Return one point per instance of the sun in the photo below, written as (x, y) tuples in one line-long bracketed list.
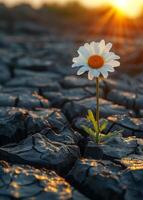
[(130, 8), (121, 4)]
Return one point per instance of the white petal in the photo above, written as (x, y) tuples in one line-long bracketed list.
[(108, 47), (90, 75), (116, 56), (83, 52), (75, 65), (93, 44), (104, 72), (95, 47), (88, 48), (102, 46), (114, 63), (111, 56), (109, 68), (78, 61), (82, 70), (96, 73)]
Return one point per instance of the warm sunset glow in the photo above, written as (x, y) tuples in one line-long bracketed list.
[(131, 8)]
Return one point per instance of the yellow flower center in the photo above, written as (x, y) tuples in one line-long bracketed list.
[(95, 61)]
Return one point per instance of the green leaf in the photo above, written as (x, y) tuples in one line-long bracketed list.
[(90, 132), (104, 125), (90, 115), (91, 118), (110, 134)]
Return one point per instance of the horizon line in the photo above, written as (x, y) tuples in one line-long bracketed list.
[(40, 4)]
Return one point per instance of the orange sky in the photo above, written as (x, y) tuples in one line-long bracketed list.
[(128, 7), (37, 3)]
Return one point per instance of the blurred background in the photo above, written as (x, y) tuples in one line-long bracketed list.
[(58, 27)]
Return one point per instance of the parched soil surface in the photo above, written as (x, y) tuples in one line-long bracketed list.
[(44, 152)]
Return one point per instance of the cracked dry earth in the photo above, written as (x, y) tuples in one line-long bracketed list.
[(44, 152)]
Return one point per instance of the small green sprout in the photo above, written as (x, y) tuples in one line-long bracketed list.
[(96, 131)]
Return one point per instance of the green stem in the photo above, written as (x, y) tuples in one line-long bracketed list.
[(97, 110)]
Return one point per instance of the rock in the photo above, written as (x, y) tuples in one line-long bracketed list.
[(22, 181), (44, 113), (7, 99), (16, 124), (126, 99), (139, 102), (78, 196), (63, 96), (80, 108), (74, 82), (115, 147), (32, 101), (110, 84), (30, 28), (4, 74), (125, 131), (132, 162), (32, 64), (33, 74), (129, 125), (38, 150), (16, 91), (34, 82), (29, 101), (131, 178), (60, 130), (92, 91), (139, 149), (97, 179), (102, 179)]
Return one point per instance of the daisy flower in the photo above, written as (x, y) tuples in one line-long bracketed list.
[(96, 59)]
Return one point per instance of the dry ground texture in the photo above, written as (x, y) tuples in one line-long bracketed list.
[(44, 152)]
